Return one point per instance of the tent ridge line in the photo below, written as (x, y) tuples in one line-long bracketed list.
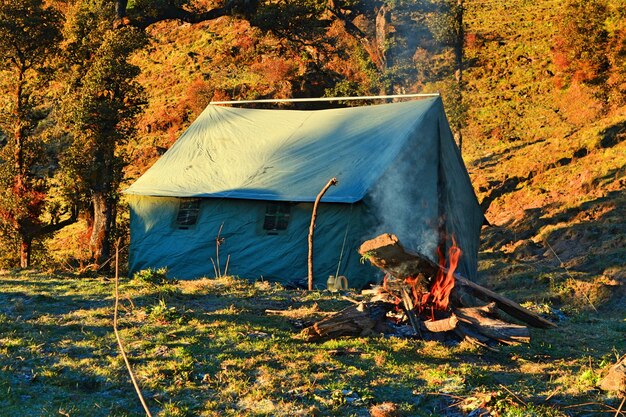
[(306, 100)]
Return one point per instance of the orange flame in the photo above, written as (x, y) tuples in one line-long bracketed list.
[(412, 283), (442, 287)]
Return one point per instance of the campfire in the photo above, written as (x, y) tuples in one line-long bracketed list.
[(421, 299)]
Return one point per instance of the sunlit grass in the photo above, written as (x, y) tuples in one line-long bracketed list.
[(207, 347)]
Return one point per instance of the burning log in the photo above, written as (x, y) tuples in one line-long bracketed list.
[(386, 253)]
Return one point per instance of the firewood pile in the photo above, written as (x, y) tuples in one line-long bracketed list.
[(421, 299)]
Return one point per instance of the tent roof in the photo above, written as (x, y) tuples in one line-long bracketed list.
[(285, 155)]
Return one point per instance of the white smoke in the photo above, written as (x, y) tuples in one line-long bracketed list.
[(405, 202)]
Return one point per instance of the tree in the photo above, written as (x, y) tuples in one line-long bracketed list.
[(383, 31), (29, 38), (101, 102), (447, 27), (146, 12), (591, 47)]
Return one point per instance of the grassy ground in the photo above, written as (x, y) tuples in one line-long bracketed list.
[(551, 182), (208, 348)]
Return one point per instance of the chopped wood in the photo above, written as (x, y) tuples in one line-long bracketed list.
[(356, 320), (386, 297), (410, 313), (443, 325), (386, 253), (505, 304), (466, 332), (409, 277), (352, 300), (483, 321), (371, 291)]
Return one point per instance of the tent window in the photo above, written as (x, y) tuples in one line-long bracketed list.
[(188, 211), (276, 217)]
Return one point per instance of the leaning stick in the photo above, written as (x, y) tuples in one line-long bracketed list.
[(218, 242), (117, 335), (333, 181)]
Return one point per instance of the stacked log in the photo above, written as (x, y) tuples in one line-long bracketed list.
[(480, 325), (362, 319)]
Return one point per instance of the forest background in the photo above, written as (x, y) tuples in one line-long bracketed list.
[(93, 91)]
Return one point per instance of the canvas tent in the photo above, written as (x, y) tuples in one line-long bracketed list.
[(255, 173)]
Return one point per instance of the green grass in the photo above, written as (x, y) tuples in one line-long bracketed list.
[(208, 348), (547, 165)]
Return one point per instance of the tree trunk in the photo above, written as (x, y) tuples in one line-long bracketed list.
[(25, 250), (19, 132), (19, 180), (383, 21), (458, 54), (100, 241), (120, 8)]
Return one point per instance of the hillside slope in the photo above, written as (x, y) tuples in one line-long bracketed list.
[(546, 163), (549, 169)]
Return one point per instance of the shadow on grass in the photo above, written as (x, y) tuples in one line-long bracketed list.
[(496, 158), (219, 347), (612, 135), (594, 239)]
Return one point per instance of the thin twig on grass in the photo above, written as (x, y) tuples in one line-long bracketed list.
[(553, 393), (117, 335), (580, 405), (605, 408), (569, 273), (444, 394), (619, 410), (513, 394)]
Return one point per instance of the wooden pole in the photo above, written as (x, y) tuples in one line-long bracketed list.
[(333, 181)]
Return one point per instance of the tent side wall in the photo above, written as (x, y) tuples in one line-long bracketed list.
[(156, 241), (464, 217)]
